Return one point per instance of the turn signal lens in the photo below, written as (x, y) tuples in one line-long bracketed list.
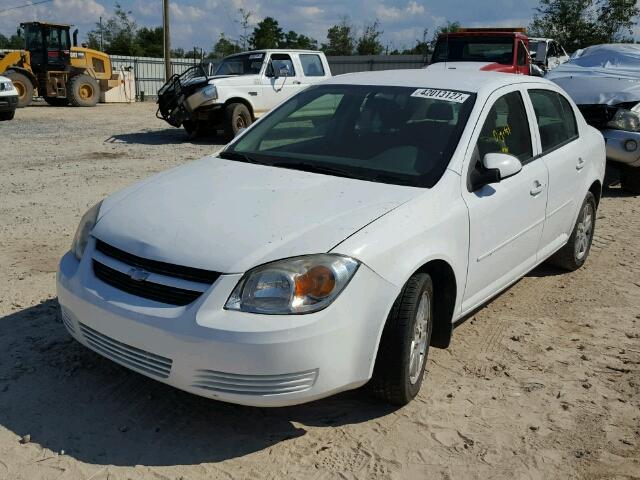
[(318, 283)]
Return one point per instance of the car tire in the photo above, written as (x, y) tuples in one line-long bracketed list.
[(193, 128), (7, 115), (630, 180), (573, 255), (56, 101), (404, 346), (23, 85), (83, 91), (236, 116)]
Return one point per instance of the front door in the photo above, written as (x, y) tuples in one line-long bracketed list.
[(506, 219), (281, 79)]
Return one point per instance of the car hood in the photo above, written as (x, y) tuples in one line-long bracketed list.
[(229, 216)]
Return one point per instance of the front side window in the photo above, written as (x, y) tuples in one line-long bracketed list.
[(522, 54), (506, 129), (311, 65), (384, 134), (281, 62), (555, 117), (249, 64), (474, 49)]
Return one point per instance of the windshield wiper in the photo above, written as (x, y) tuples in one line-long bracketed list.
[(310, 167), (242, 157)]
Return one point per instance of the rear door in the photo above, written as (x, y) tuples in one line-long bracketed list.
[(506, 218), (559, 147)]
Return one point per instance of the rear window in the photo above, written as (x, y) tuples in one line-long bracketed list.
[(312, 65), (555, 117), (474, 49)]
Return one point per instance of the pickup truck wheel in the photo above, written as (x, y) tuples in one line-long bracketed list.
[(23, 86), (236, 116), (404, 346), (7, 115), (630, 180), (573, 255), (193, 128)]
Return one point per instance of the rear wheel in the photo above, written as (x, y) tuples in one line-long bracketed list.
[(404, 346), (236, 117), (630, 179), (573, 255), (83, 91), (23, 86), (56, 101), (7, 115)]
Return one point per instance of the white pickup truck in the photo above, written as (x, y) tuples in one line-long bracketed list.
[(242, 88)]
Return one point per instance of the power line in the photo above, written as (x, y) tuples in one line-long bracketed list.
[(25, 5)]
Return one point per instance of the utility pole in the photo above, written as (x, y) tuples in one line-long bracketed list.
[(166, 41), (101, 46)]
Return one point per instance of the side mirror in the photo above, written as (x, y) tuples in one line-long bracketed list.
[(506, 165), (541, 53), (269, 72)]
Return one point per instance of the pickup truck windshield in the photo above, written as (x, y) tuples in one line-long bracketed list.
[(249, 64), (398, 135), (474, 49)]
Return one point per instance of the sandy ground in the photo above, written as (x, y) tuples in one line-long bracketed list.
[(542, 383)]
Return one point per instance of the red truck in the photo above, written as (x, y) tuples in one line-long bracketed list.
[(498, 49)]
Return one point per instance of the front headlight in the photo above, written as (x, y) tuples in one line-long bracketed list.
[(624, 119), (6, 86), (294, 285), (210, 91), (81, 237)]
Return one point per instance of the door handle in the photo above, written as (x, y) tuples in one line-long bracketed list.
[(581, 163), (296, 82), (537, 188)]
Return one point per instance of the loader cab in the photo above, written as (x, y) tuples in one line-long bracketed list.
[(49, 46)]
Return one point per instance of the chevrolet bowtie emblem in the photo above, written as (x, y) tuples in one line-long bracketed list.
[(138, 275)]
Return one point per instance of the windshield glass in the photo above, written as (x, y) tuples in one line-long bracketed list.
[(249, 64), (397, 135), (474, 49)]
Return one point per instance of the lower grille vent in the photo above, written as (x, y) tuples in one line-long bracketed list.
[(254, 384)]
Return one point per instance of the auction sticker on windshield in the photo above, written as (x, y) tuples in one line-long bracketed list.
[(448, 95)]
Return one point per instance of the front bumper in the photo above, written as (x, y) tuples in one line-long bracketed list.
[(617, 151), (8, 103), (249, 359)]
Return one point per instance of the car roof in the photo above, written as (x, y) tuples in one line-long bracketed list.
[(438, 76), (275, 50)]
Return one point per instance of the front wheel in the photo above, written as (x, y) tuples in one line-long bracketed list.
[(573, 255), (236, 117), (404, 346), (83, 91), (630, 180), (24, 87)]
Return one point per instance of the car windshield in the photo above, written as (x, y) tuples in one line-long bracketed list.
[(474, 49), (249, 64), (399, 135)]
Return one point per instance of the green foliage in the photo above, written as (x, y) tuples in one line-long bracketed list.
[(340, 39), (267, 34), (14, 42), (149, 42), (295, 40), (580, 23), (369, 41), (449, 27), (118, 34), (224, 47)]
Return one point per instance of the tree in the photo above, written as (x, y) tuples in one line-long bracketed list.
[(14, 42), (369, 41), (245, 24), (267, 34), (224, 47), (118, 32), (449, 27), (295, 40), (149, 42), (580, 23), (340, 38)]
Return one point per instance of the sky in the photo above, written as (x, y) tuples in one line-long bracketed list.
[(200, 22)]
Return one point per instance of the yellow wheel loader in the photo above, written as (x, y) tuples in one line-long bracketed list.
[(51, 67)]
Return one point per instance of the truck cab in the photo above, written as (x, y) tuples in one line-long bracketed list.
[(498, 50)]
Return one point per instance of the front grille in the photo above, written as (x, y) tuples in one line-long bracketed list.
[(145, 289), (254, 384), (66, 320), (154, 266), (126, 355)]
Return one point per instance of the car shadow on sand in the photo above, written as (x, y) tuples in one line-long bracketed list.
[(166, 136), (68, 398)]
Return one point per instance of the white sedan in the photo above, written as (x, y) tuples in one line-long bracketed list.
[(330, 244)]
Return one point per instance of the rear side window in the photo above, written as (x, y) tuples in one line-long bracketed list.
[(312, 65), (506, 129), (555, 117)]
